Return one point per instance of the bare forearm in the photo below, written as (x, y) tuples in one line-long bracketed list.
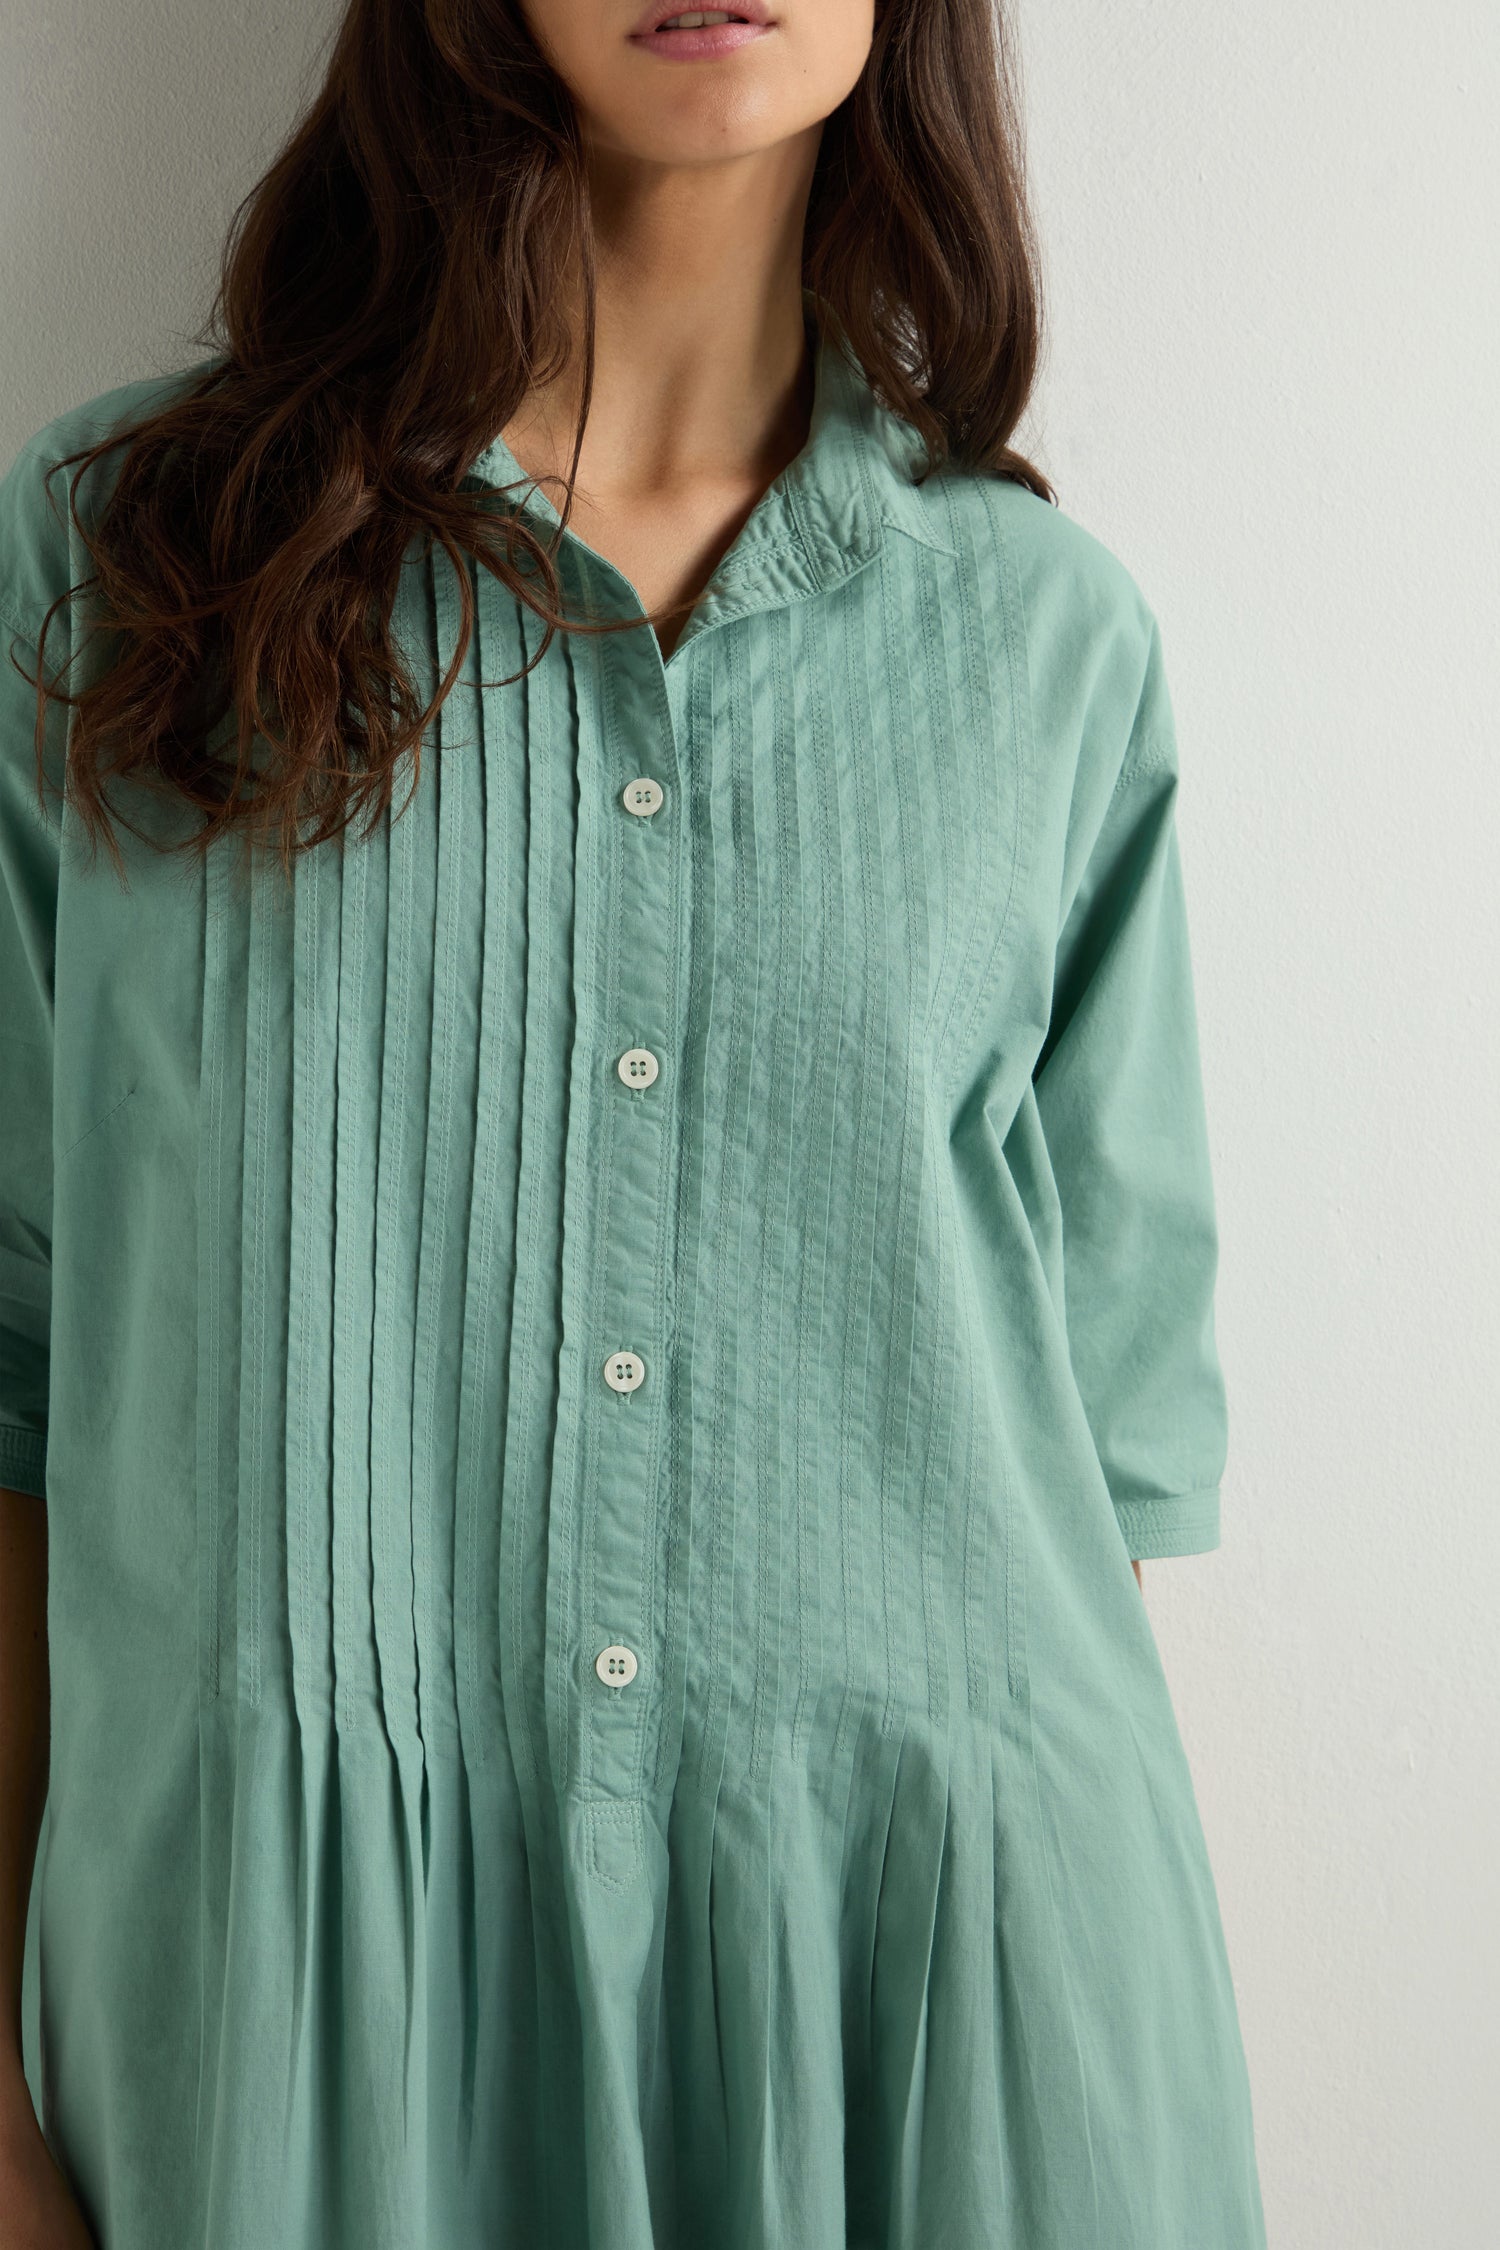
[(38, 2205), (24, 1704)]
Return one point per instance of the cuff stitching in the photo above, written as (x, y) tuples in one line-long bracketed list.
[(1156, 1526)]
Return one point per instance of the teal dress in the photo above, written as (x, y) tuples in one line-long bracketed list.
[(596, 1363)]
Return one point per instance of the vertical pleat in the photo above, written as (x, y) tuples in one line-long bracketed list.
[(254, 1949), (915, 1440), (872, 961), (215, 1499), (874, 1762), (267, 1192), (798, 2162), (952, 2127), (564, 1544), (452, 1039), (956, 787), (220, 1177), (533, 1549), (312, 2093), (761, 673), (357, 1117), (907, 2154), (727, 1034), (409, 921), (694, 2031), (318, 876), (313, 2155), (986, 687), (377, 1773), (823, 1528), (699, 1534), (497, 1963), (1042, 2126), (503, 1061), (741, 1994)]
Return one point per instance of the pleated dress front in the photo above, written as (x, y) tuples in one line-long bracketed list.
[(596, 1362)]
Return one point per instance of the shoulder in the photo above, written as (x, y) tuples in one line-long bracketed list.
[(1073, 589), (1085, 634), (39, 556)]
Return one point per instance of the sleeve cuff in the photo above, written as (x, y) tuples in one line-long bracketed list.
[(23, 1460), (1186, 1523)]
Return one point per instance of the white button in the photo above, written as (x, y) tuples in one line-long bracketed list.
[(623, 1371), (615, 1665), (637, 1066), (643, 796)]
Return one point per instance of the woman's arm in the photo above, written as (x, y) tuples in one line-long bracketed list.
[(37, 2208), (24, 1706)]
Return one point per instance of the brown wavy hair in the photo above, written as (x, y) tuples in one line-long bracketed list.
[(387, 294)]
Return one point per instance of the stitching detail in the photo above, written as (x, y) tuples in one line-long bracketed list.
[(98, 1121), (11, 617), (1157, 754), (923, 538), (1170, 1503), (1017, 661), (600, 1813), (1188, 1523)]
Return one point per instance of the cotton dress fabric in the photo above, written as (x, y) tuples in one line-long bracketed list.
[(874, 1909)]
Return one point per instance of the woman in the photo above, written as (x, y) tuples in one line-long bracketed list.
[(600, 1331)]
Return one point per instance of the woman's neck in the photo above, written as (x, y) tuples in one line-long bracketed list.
[(701, 363)]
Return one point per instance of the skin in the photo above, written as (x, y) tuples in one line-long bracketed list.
[(699, 178), (37, 2208)]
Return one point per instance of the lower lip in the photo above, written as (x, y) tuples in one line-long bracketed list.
[(700, 44)]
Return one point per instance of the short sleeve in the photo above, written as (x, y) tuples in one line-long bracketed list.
[(1119, 1091), (28, 912)]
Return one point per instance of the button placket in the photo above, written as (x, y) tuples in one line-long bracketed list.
[(638, 980)]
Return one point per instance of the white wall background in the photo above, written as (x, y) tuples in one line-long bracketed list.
[(1272, 388)]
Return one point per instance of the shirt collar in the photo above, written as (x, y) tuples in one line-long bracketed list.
[(855, 473), (823, 517)]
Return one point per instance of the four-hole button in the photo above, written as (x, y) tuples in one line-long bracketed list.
[(615, 1665), (643, 795), (638, 1066)]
